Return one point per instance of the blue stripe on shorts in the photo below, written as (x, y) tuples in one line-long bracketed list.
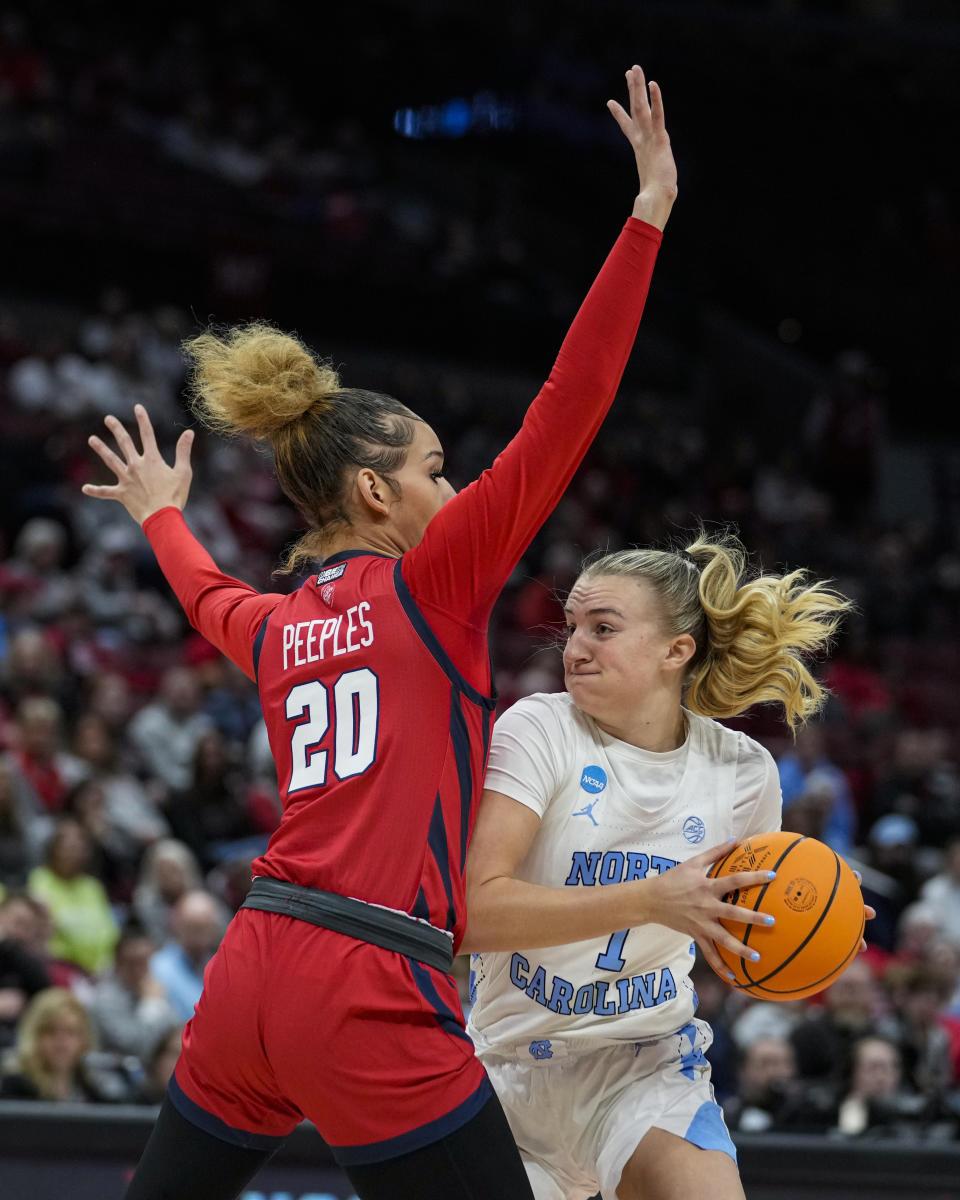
[(708, 1131)]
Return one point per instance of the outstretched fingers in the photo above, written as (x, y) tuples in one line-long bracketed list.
[(184, 446), (101, 491), (124, 440), (656, 107), (148, 439), (621, 116), (640, 115), (637, 87), (109, 457)]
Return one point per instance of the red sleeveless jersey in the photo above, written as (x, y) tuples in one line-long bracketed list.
[(374, 676)]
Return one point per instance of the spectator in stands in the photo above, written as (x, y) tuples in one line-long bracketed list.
[(942, 892), (849, 1010), (213, 812), (46, 772), (32, 668), (855, 677), (922, 782), (167, 731), (37, 564), (229, 698), (129, 1005), (196, 928), (130, 811), (22, 973), (113, 860), (766, 1075), (22, 830), (917, 932), (53, 1038), (892, 844), (109, 697), (805, 770), (765, 1018), (168, 871), (876, 1094), (919, 993), (84, 930), (158, 1066), (119, 605)]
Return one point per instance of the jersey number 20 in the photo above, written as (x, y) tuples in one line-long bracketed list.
[(353, 739)]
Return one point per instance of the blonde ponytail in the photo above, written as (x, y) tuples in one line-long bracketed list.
[(752, 635), (759, 632)]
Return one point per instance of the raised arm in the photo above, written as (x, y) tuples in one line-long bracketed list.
[(227, 612), (471, 546)]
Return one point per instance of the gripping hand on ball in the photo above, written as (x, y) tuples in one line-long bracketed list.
[(691, 903), (646, 132)]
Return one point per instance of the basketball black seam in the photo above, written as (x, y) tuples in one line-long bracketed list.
[(806, 940), (817, 983), (763, 891)]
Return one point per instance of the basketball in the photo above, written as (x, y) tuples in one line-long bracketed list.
[(818, 908)]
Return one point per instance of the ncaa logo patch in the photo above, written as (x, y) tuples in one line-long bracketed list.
[(694, 830), (593, 779)]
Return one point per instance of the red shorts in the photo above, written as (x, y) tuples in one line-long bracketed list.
[(300, 1022)]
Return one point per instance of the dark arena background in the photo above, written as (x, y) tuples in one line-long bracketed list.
[(423, 191)]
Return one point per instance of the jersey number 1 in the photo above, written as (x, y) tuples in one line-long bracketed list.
[(612, 958), (356, 716)]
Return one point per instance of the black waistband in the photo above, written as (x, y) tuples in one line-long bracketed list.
[(366, 922)]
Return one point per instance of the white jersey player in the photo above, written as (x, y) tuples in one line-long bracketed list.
[(586, 877), (611, 812)]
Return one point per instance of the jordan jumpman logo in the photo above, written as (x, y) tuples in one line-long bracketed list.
[(588, 811)]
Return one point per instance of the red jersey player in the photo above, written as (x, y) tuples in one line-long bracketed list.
[(331, 997)]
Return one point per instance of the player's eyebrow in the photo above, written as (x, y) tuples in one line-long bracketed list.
[(433, 454), (595, 612)]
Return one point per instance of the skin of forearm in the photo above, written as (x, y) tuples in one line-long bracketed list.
[(509, 914), (653, 205)]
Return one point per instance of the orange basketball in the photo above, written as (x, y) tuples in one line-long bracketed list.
[(818, 908)]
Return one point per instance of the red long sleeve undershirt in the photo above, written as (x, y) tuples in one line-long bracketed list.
[(474, 542)]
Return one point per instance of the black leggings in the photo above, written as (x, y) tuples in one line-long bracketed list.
[(478, 1161)]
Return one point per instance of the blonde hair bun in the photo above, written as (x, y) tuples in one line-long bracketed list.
[(255, 380)]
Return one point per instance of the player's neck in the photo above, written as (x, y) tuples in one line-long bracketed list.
[(648, 729), (371, 539)]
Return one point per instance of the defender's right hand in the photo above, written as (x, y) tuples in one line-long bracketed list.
[(646, 131)]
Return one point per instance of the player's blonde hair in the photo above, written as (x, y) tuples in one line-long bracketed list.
[(266, 384), (752, 634)]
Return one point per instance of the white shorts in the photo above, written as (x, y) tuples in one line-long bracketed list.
[(579, 1109)]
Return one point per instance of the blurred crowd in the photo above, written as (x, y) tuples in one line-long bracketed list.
[(136, 784)]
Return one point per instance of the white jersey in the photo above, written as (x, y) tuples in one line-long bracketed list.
[(610, 812)]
